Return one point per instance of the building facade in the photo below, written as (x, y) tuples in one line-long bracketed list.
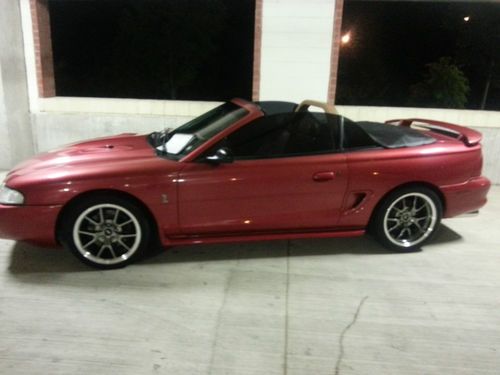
[(296, 49)]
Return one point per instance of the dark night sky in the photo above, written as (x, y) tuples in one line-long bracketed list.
[(393, 41), (158, 49)]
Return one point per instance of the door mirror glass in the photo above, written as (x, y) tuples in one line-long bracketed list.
[(222, 155)]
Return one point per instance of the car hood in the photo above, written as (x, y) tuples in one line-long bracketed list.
[(125, 153)]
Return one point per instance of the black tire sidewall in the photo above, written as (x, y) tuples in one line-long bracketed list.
[(376, 227), (71, 216)]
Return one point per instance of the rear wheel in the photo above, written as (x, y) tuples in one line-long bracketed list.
[(407, 218), (106, 232)]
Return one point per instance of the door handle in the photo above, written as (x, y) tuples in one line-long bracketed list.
[(323, 176)]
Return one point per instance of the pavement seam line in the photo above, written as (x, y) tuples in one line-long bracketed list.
[(285, 359), (344, 332), (218, 320)]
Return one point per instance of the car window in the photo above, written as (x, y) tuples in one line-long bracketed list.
[(286, 134)]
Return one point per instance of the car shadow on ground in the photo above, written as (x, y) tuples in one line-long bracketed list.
[(364, 245), (27, 259)]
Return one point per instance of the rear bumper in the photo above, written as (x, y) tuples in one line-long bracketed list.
[(466, 197), (34, 224)]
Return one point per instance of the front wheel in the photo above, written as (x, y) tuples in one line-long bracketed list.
[(407, 218), (106, 232)]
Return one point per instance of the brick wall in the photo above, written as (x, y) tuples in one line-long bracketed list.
[(257, 50), (43, 48), (337, 29)]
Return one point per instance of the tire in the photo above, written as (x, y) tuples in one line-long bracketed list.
[(407, 218), (106, 231)]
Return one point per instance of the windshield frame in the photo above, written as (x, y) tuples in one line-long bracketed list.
[(205, 127), (254, 112)]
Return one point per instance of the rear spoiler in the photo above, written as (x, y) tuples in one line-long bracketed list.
[(468, 136)]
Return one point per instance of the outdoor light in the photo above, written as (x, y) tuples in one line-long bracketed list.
[(466, 18), (346, 38)]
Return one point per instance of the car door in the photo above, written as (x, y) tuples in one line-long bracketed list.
[(286, 175)]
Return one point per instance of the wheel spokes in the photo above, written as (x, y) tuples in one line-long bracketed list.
[(92, 241), (123, 244), (414, 206), (91, 220), (419, 227), (115, 218), (398, 210), (424, 205), (395, 226), (112, 251), (403, 201), (400, 235), (125, 223), (105, 247)]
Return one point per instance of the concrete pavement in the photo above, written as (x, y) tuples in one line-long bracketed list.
[(330, 306)]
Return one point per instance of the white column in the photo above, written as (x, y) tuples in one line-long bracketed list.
[(29, 53), (296, 49), (16, 140)]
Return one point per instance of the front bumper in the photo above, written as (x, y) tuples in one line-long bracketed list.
[(34, 224), (466, 197)]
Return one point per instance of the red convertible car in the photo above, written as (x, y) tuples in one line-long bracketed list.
[(246, 171)]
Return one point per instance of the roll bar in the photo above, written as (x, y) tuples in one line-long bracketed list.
[(328, 108)]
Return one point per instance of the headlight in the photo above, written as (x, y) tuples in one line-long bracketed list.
[(10, 196)]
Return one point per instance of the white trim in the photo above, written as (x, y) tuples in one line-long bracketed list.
[(186, 108), (29, 54), (125, 106)]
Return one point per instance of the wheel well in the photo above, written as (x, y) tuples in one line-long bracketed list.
[(427, 185), (117, 193)]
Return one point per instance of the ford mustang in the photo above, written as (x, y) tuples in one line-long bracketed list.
[(246, 171)]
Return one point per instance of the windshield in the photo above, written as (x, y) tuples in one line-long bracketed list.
[(193, 134)]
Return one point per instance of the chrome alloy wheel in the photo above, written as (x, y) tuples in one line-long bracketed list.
[(410, 219), (107, 234)]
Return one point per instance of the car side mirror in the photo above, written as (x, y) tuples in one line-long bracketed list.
[(222, 155)]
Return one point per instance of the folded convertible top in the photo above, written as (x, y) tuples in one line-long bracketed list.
[(390, 136)]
